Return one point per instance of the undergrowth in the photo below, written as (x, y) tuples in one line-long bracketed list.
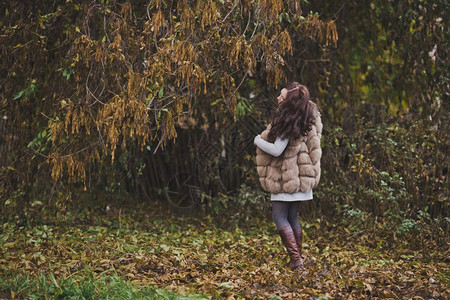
[(82, 286), (143, 252)]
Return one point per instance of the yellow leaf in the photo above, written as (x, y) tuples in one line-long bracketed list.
[(368, 286)]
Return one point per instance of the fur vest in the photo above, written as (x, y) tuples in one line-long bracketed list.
[(297, 168)]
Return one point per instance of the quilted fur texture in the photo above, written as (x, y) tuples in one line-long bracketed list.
[(297, 168)]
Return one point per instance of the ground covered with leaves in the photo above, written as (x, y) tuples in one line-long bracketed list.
[(149, 253)]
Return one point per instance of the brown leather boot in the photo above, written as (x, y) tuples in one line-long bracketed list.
[(288, 239), (299, 239)]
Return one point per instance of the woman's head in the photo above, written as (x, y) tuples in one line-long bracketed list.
[(282, 96), (295, 93), (294, 115)]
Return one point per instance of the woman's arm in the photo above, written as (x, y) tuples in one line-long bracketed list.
[(274, 149)]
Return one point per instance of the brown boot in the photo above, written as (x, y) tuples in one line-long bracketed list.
[(299, 239), (288, 239)]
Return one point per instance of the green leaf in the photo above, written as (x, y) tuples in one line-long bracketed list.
[(37, 254), (36, 203), (226, 285), (164, 247), (18, 95), (10, 244), (288, 17)]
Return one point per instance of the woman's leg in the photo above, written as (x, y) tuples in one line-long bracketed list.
[(293, 215), (295, 224), (280, 211)]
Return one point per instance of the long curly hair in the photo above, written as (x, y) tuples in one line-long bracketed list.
[(295, 115)]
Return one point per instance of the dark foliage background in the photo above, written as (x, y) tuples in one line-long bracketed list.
[(117, 101)]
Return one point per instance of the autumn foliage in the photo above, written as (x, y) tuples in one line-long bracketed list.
[(118, 72), (113, 111), (146, 98)]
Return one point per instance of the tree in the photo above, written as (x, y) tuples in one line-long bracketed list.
[(82, 80)]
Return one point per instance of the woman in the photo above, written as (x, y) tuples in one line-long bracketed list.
[(288, 161)]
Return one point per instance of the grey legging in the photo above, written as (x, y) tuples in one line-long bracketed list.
[(285, 214)]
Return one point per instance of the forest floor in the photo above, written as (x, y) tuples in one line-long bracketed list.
[(146, 253)]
